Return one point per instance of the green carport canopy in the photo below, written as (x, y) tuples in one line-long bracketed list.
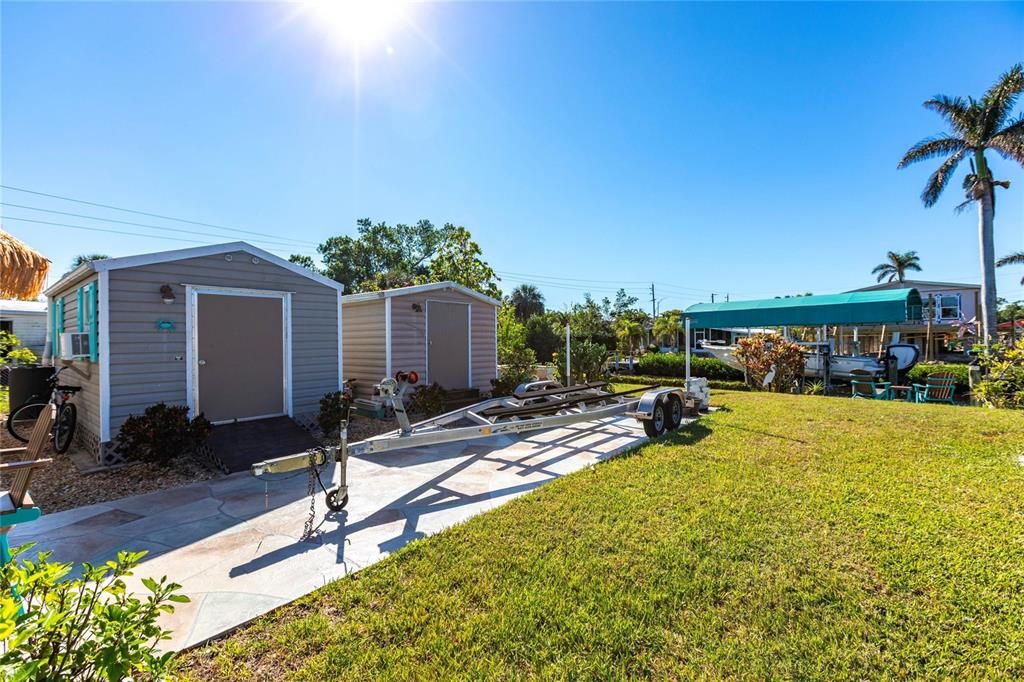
[(886, 306)]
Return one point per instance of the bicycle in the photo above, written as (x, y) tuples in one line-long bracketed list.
[(22, 420)]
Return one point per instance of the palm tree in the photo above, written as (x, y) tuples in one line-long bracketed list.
[(527, 300), (667, 326), (87, 258), (896, 266), (976, 126), (627, 331), (1013, 259)]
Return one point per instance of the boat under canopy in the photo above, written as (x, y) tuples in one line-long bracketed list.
[(887, 306)]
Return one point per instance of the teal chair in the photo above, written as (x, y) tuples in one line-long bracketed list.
[(864, 386), (938, 388)]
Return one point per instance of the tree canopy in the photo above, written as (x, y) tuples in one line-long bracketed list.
[(382, 256), (527, 301)]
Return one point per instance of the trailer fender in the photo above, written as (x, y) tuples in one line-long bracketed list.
[(645, 408)]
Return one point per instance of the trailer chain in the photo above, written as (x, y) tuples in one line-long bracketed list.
[(307, 530)]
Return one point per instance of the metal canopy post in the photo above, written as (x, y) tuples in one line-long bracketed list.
[(687, 332), (568, 354)]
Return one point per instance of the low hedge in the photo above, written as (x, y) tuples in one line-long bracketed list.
[(918, 374), (676, 381), (674, 365)]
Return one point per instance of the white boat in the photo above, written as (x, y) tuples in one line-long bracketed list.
[(841, 366)]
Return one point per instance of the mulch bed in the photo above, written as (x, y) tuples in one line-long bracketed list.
[(62, 486)]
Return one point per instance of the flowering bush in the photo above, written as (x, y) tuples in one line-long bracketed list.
[(1003, 366), (762, 352), (162, 433), (334, 408)]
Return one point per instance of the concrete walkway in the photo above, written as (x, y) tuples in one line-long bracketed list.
[(234, 543)]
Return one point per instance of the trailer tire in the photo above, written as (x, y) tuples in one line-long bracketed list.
[(674, 413), (334, 503), (655, 426)]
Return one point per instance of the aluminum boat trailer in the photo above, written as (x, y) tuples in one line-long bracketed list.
[(532, 407)]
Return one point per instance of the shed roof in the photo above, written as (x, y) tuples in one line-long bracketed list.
[(13, 305), (85, 269), (417, 289), (859, 307)]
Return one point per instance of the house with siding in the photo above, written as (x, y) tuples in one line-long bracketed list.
[(445, 332), (27, 321), (232, 331)]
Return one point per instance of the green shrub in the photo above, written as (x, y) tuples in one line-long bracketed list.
[(162, 433), (918, 374), (515, 357), (428, 400), (334, 408), (677, 381), (13, 353), (674, 365), (1003, 385), (87, 628), (587, 362)]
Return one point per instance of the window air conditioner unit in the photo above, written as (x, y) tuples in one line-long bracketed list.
[(74, 345)]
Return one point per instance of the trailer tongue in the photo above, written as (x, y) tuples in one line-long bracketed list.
[(533, 407)]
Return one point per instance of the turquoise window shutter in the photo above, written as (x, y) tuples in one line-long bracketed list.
[(59, 329), (53, 327), (80, 310), (93, 323)]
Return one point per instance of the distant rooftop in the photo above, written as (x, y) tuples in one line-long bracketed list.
[(10, 305), (917, 284)]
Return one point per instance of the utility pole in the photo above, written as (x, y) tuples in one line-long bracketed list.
[(727, 297), (654, 303), (712, 297)]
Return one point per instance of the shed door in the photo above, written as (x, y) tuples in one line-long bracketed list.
[(448, 344), (240, 357)]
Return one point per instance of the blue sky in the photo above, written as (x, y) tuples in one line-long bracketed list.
[(740, 148)]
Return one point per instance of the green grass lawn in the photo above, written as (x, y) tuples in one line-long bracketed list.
[(780, 537)]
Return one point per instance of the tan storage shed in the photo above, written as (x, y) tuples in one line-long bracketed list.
[(445, 332), (230, 330)]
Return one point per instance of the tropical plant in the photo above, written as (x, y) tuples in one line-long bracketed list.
[(514, 356), (586, 362), (975, 127), (1003, 368), (428, 401), (895, 267), (666, 326), (334, 409), (527, 300), (55, 627), (87, 258), (1016, 258), (765, 355), (628, 333), (12, 352)]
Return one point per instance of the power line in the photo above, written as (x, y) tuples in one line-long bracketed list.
[(145, 213), (100, 229), (128, 222)]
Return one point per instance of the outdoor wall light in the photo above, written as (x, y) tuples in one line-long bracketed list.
[(167, 294), (417, 307)]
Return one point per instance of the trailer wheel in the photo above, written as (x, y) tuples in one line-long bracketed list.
[(674, 413), (334, 503), (655, 426)]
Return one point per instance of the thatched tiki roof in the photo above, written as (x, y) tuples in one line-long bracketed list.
[(22, 270)]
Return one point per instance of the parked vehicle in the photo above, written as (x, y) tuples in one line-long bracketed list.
[(844, 367)]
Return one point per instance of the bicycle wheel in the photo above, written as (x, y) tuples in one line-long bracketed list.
[(23, 419), (64, 427)]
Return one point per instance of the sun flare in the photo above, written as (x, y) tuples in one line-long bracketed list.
[(357, 24)]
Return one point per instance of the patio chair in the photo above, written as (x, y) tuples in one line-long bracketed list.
[(864, 386), (938, 388), (16, 505)]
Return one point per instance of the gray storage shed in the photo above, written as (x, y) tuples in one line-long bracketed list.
[(444, 331), (230, 330), (27, 321)]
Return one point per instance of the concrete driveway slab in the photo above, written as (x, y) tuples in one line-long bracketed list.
[(235, 544)]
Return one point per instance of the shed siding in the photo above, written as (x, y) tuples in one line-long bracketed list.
[(29, 327), (148, 364), (81, 372), (363, 345), (409, 335)]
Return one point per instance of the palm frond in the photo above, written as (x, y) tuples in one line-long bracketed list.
[(1012, 259), (956, 110), (1009, 142), (1000, 99), (912, 265), (940, 178), (931, 147)]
